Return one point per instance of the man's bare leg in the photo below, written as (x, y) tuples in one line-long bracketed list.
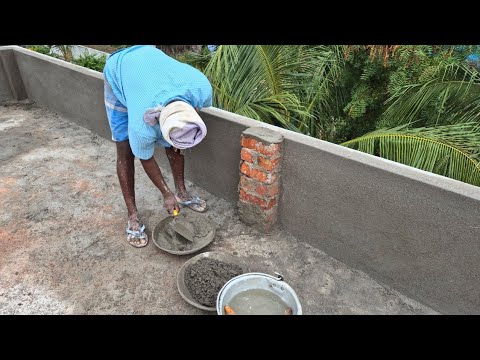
[(126, 177), (177, 164)]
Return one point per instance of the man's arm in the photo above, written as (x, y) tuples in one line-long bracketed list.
[(153, 171), (143, 146)]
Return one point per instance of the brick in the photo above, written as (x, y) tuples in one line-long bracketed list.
[(244, 168), (257, 174), (270, 204), (272, 178), (271, 214), (269, 164), (248, 155), (268, 190), (265, 204), (253, 199), (261, 189), (254, 144), (256, 188), (249, 143), (247, 184), (274, 189), (270, 150)]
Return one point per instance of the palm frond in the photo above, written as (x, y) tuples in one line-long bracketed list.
[(450, 150), (291, 86), (258, 81), (324, 100), (450, 92), (198, 59)]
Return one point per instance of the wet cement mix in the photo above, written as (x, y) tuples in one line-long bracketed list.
[(201, 228), (205, 278)]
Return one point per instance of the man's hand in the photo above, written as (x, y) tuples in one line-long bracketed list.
[(153, 171), (170, 203)]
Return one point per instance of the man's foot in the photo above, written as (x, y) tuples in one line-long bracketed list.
[(193, 202), (136, 235)]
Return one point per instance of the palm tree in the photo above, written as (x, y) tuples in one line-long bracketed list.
[(323, 99), (450, 150), (284, 85), (65, 50)]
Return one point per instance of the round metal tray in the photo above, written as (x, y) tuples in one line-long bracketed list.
[(226, 258), (173, 244)]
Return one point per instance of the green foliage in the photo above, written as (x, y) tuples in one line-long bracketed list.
[(177, 51), (319, 91), (433, 91), (447, 93), (65, 50), (261, 81), (42, 49), (94, 62), (198, 60), (423, 83), (450, 150)]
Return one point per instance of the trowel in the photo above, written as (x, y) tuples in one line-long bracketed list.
[(182, 227)]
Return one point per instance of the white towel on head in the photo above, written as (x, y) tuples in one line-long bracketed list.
[(181, 125)]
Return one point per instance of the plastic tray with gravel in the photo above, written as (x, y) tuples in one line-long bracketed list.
[(201, 278)]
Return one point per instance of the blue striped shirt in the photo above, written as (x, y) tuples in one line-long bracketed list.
[(142, 77)]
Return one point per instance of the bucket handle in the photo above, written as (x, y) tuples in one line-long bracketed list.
[(279, 276)]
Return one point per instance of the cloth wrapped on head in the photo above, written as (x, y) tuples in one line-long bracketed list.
[(180, 124)]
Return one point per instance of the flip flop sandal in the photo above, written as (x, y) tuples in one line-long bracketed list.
[(196, 204), (135, 238)]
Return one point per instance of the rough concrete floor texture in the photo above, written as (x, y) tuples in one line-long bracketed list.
[(63, 249)]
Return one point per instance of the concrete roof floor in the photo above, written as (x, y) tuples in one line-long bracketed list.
[(63, 249)]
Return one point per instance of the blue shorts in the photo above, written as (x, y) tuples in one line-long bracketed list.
[(117, 115)]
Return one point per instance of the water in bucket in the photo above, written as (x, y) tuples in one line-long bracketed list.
[(258, 302)]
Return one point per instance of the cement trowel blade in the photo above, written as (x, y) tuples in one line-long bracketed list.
[(184, 228)]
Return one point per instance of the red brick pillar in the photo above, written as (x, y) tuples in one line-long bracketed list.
[(259, 186)]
